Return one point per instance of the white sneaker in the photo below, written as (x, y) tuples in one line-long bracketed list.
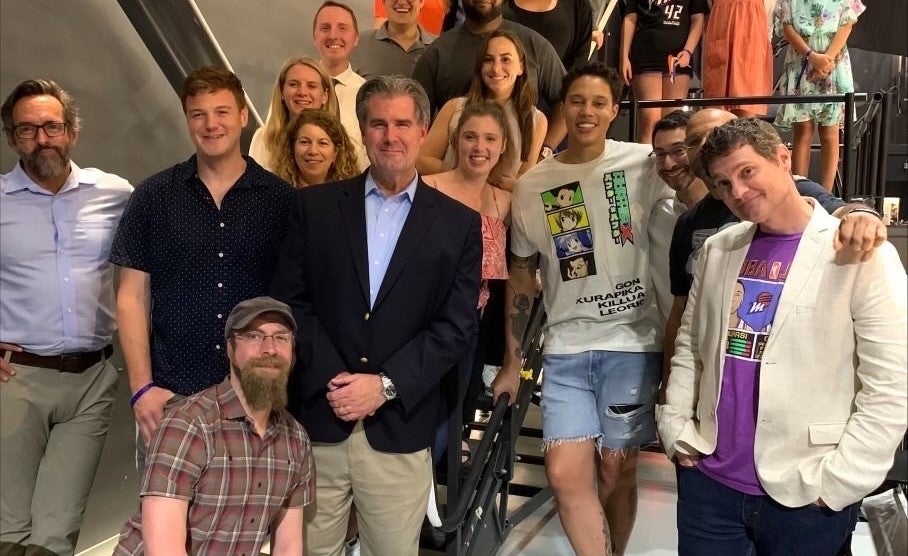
[(432, 507), (351, 547), (489, 372)]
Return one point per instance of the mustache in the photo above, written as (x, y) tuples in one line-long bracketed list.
[(57, 150), (267, 361)]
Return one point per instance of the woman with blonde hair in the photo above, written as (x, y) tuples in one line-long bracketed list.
[(500, 75), (315, 150), (302, 84)]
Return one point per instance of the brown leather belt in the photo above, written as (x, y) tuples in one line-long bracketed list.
[(66, 363)]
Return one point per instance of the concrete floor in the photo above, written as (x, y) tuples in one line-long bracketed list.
[(114, 498)]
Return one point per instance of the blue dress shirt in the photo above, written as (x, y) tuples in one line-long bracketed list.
[(56, 286), (385, 217)]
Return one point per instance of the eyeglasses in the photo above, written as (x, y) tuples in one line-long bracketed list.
[(256, 338), (676, 153), (30, 131)]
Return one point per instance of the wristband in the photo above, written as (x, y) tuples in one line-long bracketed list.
[(139, 393), (862, 209), (808, 53)]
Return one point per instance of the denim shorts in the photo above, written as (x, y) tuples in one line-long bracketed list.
[(609, 396)]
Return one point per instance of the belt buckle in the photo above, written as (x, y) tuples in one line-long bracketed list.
[(71, 363)]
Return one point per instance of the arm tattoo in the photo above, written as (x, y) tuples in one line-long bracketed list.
[(520, 316), (521, 303), (525, 263)]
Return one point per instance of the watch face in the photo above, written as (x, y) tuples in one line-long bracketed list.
[(388, 390)]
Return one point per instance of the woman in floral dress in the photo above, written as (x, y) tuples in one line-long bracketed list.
[(816, 63)]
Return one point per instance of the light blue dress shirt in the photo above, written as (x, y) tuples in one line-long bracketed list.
[(385, 217), (56, 286)]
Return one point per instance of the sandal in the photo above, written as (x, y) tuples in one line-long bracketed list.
[(465, 453)]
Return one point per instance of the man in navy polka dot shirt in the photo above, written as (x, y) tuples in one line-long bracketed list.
[(195, 239)]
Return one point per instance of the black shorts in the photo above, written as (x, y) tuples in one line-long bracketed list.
[(650, 51)]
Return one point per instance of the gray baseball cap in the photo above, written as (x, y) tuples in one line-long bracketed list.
[(246, 311)]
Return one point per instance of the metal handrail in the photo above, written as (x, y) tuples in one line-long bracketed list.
[(454, 517), (849, 160), (742, 101), (494, 428)]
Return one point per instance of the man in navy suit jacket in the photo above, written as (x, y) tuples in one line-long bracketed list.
[(382, 273)]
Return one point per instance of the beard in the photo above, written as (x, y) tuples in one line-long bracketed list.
[(46, 162), (678, 183), (264, 389), (473, 14)]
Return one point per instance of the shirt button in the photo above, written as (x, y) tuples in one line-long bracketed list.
[(218, 346), (366, 316), (220, 316), (221, 255), (222, 224), (363, 359), (220, 285), (66, 279)]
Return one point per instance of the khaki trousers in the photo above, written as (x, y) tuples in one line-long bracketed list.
[(390, 492), (52, 430)]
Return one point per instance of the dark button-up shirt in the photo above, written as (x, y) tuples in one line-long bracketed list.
[(208, 453), (202, 261)]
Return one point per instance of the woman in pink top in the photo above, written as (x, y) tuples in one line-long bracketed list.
[(481, 141)]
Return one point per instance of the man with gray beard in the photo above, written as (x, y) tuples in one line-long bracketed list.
[(229, 467), (57, 387)]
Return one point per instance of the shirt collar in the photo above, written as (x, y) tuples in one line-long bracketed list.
[(228, 401), (344, 77), (371, 188), (190, 173), (19, 180), (425, 37)]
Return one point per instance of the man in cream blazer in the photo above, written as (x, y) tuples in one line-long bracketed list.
[(787, 395)]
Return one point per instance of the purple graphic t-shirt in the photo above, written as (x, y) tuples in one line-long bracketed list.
[(752, 309)]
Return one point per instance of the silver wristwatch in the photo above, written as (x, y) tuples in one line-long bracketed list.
[(389, 391)]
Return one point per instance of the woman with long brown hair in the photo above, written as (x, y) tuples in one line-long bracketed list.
[(481, 144), (500, 75)]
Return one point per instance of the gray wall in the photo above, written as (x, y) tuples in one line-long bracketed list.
[(132, 122), (133, 126)]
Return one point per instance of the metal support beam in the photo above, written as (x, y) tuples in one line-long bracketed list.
[(179, 39)]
